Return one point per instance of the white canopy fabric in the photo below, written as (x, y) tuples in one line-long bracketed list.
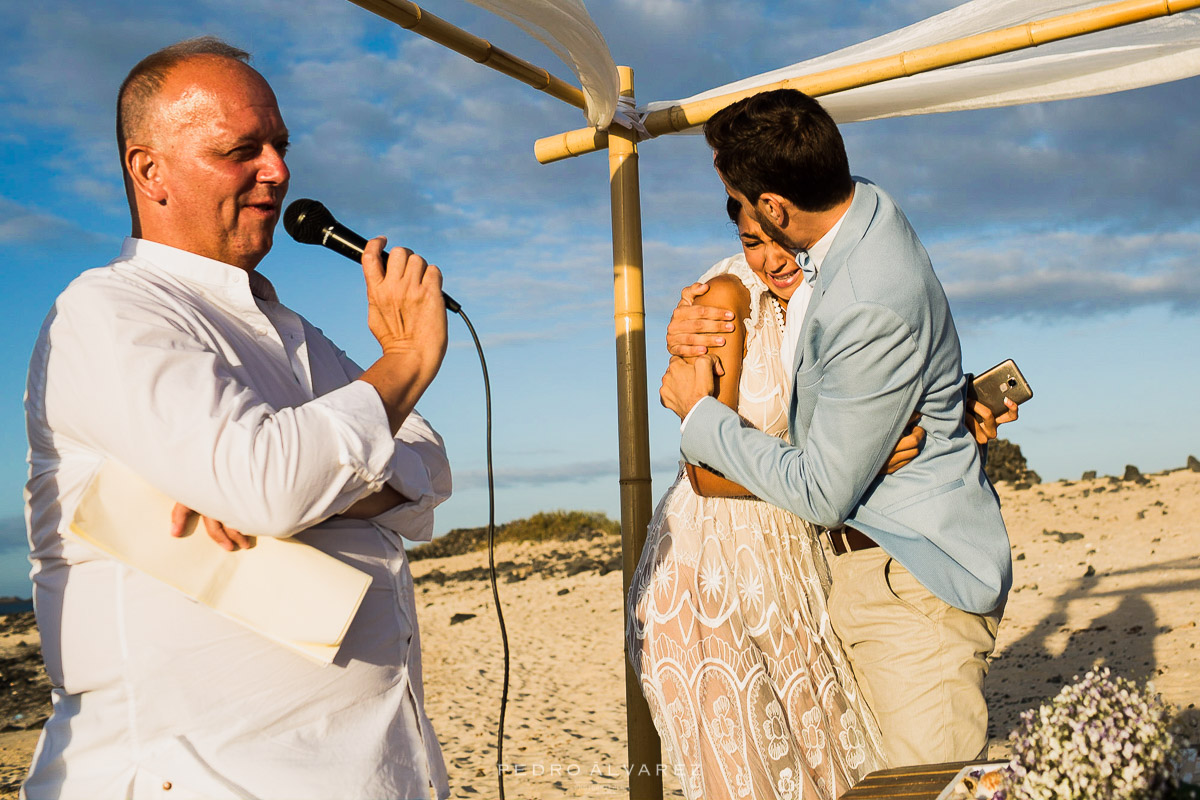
[(1132, 56), (567, 29), (1129, 57)]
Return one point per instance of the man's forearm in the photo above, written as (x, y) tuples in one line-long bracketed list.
[(400, 383)]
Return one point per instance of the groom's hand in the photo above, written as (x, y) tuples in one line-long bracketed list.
[(686, 382), (695, 328)]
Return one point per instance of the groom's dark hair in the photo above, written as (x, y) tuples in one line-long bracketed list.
[(783, 142)]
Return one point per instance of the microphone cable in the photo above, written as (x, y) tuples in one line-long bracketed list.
[(491, 541)]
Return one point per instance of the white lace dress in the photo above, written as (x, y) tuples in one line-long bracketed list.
[(748, 685)]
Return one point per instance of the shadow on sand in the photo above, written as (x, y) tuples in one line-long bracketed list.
[(1122, 640)]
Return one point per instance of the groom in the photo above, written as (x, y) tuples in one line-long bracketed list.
[(921, 565)]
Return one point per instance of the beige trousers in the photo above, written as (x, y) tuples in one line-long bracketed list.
[(920, 662)]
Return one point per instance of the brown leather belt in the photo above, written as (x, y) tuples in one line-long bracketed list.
[(848, 540)]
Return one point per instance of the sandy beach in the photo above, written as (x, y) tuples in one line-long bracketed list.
[(1106, 572)]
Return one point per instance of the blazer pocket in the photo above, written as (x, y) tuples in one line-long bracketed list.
[(912, 500), (808, 377)]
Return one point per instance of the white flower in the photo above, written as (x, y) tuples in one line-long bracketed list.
[(722, 726), (813, 737), (751, 589), (775, 729), (685, 726), (742, 782), (711, 579), (1101, 737), (664, 575), (786, 785), (852, 740)]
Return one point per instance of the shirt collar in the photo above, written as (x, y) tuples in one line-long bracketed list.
[(821, 249), (193, 268)]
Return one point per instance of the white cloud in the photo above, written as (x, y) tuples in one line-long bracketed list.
[(21, 224), (1077, 274)]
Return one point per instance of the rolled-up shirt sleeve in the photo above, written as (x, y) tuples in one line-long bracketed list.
[(420, 471)]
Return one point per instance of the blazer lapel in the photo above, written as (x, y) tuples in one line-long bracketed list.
[(854, 227)]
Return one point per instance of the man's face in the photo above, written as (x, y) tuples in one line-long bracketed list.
[(769, 228), (220, 140)]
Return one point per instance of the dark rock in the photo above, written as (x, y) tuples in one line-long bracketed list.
[(1090, 475), (613, 564), (1005, 463), (457, 618), (19, 622), (1063, 537), (580, 566), (1090, 571), (1020, 557), (561, 592), (1134, 474), (24, 689), (1022, 486), (1193, 464)]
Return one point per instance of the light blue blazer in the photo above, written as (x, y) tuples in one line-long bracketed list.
[(877, 344)]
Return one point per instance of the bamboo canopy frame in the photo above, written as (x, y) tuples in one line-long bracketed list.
[(644, 747), (912, 62), (416, 19)]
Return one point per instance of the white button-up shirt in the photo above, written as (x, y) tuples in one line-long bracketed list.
[(189, 372), (797, 306)]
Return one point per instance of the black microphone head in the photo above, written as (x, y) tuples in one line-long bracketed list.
[(305, 219)]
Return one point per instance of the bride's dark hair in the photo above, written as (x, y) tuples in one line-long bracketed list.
[(733, 208)]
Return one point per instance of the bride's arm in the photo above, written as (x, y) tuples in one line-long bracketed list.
[(729, 293)]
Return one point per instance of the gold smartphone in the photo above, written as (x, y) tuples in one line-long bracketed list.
[(1001, 381)]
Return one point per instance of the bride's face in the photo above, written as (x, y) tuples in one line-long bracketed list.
[(770, 261)]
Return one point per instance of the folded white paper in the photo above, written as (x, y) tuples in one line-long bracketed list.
[(283, 589)]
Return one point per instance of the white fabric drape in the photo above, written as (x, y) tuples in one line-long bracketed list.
[(1129, 57), (567, 29)]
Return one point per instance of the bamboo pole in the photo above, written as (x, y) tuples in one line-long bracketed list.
[(911, 62), (416, 19), (644, 748)]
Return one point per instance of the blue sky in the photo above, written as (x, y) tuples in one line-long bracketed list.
[(1067, 234)]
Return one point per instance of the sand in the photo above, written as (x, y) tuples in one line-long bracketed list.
[(1107, 573)]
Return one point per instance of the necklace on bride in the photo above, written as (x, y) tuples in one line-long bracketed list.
[(780, 313)]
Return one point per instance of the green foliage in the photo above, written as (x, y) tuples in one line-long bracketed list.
[(543, 526)]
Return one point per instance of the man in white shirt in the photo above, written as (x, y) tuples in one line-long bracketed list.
[(178, 362)]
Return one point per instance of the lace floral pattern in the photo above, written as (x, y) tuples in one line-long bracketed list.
[(729, 632)]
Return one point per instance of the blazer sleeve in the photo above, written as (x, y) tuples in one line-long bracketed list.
[(869, 373)]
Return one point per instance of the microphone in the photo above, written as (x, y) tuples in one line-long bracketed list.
[(310, 222)]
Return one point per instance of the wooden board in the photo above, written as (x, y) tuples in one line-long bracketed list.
[(923, 782)]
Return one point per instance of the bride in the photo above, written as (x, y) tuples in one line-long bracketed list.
[(728, 630)]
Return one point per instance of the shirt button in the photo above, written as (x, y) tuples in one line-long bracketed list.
[(261, 331), (166, 786)]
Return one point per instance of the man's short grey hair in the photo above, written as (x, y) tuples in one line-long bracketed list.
[(146, 78)]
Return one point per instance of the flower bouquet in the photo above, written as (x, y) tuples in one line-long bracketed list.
[(1100, 738)]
